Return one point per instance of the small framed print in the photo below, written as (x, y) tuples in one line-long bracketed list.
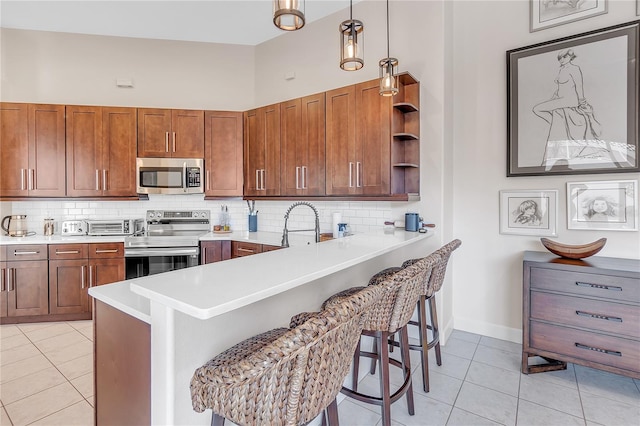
[(550, 13), (606, 205), (529, 212)]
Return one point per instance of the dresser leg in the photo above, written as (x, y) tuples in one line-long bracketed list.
[(550, 365)]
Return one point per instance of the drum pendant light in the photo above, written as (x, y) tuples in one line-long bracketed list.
[(288, 15), (388, 69), (351, 43)]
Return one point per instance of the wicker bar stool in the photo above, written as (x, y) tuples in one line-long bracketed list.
[(401, 291), (432, 286), (285, 376)]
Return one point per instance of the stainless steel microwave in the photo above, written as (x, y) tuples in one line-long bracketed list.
[(170, 175)]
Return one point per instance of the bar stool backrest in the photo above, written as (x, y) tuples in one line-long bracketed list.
[(434, 282), (401, 291)]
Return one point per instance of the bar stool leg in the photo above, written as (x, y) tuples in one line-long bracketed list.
[(374, 349), (332, 414), (434, 324), (356, 367), (217, 420), (424, 341), (406, 366), (382, 338)]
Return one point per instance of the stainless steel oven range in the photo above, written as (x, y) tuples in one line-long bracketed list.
[(171, 242)]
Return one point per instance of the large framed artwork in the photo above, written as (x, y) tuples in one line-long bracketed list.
[(573, 104), (529, 212), (549, 13), (605, 205)]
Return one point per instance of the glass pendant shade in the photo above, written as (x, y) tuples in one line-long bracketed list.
[(288, 15), (351, 45), (388, 79)]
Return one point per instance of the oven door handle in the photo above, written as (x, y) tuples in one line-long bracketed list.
[(148, 252)]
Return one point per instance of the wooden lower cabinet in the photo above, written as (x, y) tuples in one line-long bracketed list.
[(586, 313), (214, 251), (244, 248), (122, 366), (24, 281)]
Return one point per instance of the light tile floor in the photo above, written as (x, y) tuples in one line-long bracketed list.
[(46, 378)]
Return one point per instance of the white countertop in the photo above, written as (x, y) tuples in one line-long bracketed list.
[(210, 290), (59, 239)]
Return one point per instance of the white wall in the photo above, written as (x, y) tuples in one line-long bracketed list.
[(488, 275)]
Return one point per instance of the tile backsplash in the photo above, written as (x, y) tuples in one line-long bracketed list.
[(362, 216)]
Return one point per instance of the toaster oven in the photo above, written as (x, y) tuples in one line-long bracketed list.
[(115, 226)]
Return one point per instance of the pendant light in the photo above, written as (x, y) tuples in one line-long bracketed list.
[(388, 69), (351, 43), (288, 15)]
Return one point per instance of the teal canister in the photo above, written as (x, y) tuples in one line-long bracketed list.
[(411, 222)]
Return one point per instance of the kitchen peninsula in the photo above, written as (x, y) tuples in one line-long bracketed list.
[(186, 317)]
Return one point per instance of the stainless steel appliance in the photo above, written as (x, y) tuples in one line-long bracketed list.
[(115, 226), (171, 242), (73, 227), (169, 175), (16, 225)]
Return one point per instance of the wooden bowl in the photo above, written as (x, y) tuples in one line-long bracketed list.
[(573, 251)]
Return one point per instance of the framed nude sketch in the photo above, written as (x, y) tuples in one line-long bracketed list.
[(549, 13), (606, 205), (573, 104), (529, 212)]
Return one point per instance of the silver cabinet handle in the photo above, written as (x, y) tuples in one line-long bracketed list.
[(245, 250), (166, 141), (22, 253), (264, 185), (67, 251), (3, 284), (208, 179), (82, 268), (358, 174), (104, 180), (91, 275), (12, 279), (97, 180), (596, 349), (297, 180), (23, 179), (106, 251), (257, 179), (304, 177), (32, 179), (350, 174), (174, 141), (599, 286)]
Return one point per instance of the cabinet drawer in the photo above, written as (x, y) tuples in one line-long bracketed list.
[(26, 252), (239, 249), (584, 345), (68, 251), (608, 317), (106, 250), (602, 286)]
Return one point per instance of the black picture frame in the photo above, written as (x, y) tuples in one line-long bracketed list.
[(562, 120)]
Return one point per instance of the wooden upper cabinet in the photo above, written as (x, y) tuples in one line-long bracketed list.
[(358, 126), (223, 153), (119, 151), (302, 138), (32, 149), (101, 151), (262, 151), (170, 133)]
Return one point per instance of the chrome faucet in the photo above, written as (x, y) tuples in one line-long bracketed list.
[(285, 232)]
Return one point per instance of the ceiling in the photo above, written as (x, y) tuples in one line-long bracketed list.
[(247, 22)]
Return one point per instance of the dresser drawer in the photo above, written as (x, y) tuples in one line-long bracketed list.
[(585, 345), (608, 317), (601, 286)]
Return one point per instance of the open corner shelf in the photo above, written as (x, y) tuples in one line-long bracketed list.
[(405, 107)]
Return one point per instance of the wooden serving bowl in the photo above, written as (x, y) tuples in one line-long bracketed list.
[(573, 251)]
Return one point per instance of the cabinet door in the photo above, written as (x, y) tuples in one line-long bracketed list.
[(68, 285), (271, 175), (47, 175), (223, 154), (215, 251), (27, 291), (340, 141), (106, 271), (84, 149), (154, 132), (14, 149), (253, 152), (311, 145), (187, 138), (3, 289), (292, 154), (373, 140), (242, 248), (119, 152)]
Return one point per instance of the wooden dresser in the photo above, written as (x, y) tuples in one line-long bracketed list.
[(582, 311)]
